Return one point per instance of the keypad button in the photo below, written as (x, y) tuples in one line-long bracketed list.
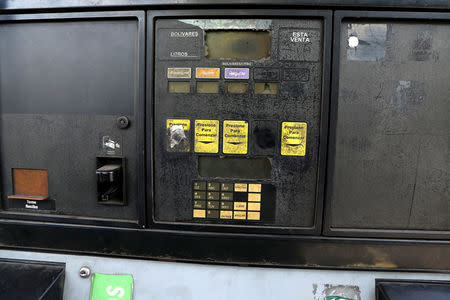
[(213, 196), (213, 204), (254, 215), (240, 215), (240, 187), (254, 188), (254, 206), (254, 197), (212, 214), (198, 195), (226, 196), (199, 213), (213, 186), (199, 185), (240, 205), (199, 204), (226, 187), (226, 205), (226, 214)]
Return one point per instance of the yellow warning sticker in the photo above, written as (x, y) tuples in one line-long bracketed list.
[(206, 136), (178, 135), (235, 137), (293, 138)]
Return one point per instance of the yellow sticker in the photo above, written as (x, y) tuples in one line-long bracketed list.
[(254, 215), (207, 72), (178, 135), (235, 137), (199, 213), (206, 136), (226, 214), (293, 138), (240, 215)]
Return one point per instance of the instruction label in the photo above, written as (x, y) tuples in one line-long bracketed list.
[(235, 137), (178, 135), (293, 138), (206, 136)]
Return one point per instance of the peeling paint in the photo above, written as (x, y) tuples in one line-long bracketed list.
[(320, 292)]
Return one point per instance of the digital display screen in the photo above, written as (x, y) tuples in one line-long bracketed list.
[(235, 167), (237, 44)]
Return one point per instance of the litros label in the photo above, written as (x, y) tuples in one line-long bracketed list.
[(293, 138), (235, 137), (206, 136)]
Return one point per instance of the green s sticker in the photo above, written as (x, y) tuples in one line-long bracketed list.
[(111, 287)]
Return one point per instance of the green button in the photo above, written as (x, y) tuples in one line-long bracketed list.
[(213, 214), (213, 204), (226, 196), (199, 185), (199, 204), (213, 186), (226, 205), (106, 287), (213, 196), (199, 195), (227, 187)]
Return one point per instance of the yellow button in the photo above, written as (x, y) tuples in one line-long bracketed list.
[(254, 187), (226, 214), (240, 205), (240, 215), (207, 73), (199, 213), (254, 206), (254, 215), (254, 197), (240, 187)]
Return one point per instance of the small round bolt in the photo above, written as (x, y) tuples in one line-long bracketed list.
[(85, 272), (353, 41), (123, 122)]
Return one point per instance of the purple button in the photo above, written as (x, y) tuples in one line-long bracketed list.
[(236, 73)]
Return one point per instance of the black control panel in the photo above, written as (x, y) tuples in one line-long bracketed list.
[(238, 101)]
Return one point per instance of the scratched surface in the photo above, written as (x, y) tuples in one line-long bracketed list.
[(392, 158), (175, 281)]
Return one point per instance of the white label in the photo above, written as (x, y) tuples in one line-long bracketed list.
[(300, 37)]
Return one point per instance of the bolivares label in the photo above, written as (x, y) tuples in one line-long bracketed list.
[(235, 137), (293, 138), (206, 136)]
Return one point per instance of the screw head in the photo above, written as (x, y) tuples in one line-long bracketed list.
[(85, 272), (123, 122)]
